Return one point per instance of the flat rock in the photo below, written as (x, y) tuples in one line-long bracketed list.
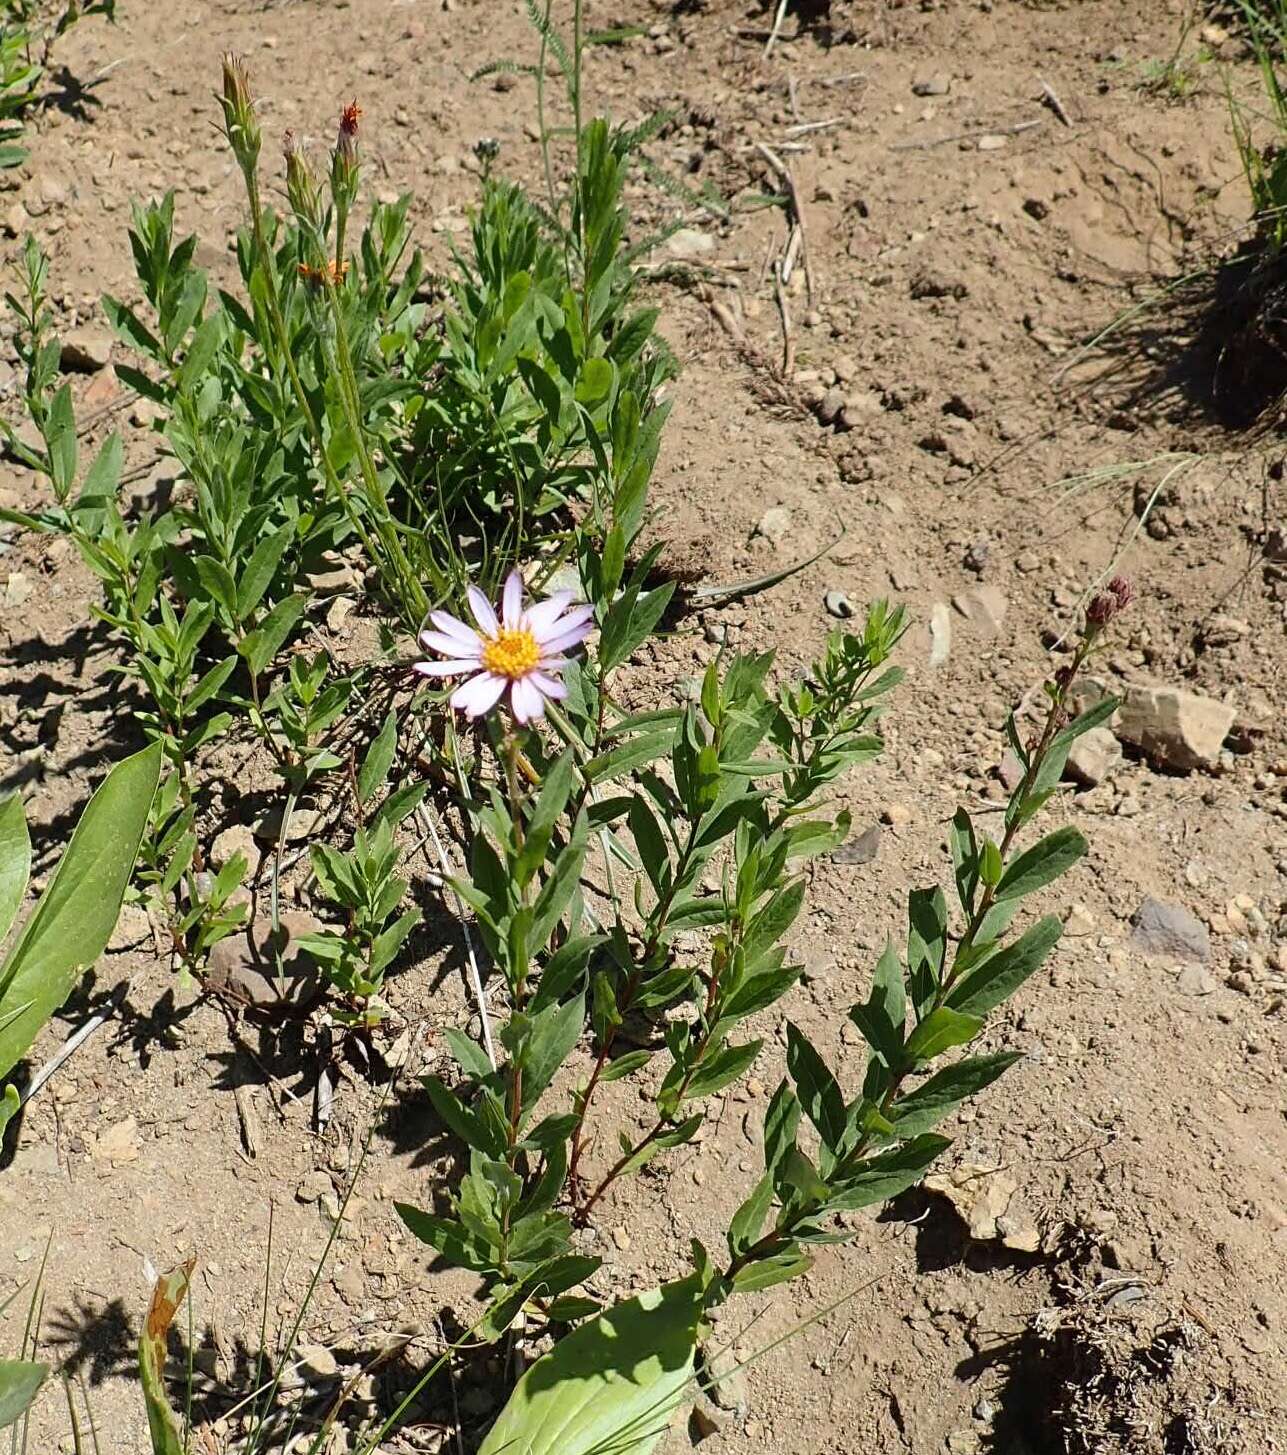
[(1195, 980), (861, 849), (985, 606), (1171, 930), (86, 350), (774, 524), (133, 927), (937, 84), (838, 605), (940, 629), (245, 965), (239, 839), (1095, 756), (1181, 730), (689, 242)]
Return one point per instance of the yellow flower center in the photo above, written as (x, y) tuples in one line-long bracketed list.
[(511, 654)]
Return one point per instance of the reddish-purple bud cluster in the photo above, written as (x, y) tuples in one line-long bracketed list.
[(1108, 603)]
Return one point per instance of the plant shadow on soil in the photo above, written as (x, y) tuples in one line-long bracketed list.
[(1209, 350)]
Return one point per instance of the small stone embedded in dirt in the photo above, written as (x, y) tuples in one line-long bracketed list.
[(936, 84), (86, 350), (1009, 771), (1079, 921), (245, 965), (1195, 980), (17, 588), (774, 524), (133, 927), (991, 143), (239, 839), (830, 405), (977, 555), (1223, 631), (118, 1144), (689, 242), (1169, 929), (622, 1239), (16, 220), (1036, 208), (1181, 730), (858, 409), (316, 1362), (928, 284), (1094, 757), (860, 850), (985, 1200), (304, 823), (314, 1186), (333, 578), (985, 606), (838, 605), (940, 629), (896, 814)]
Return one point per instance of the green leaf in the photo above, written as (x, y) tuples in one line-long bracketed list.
[(611, 1386), (988, 984), (748, 1220), (555, 1031), (818, 1092), (768, 1272), (76, 915), (170, 1291), (15, 860), (470, 1056), (722, 1069), (550, 803), (20, 1383), (60, 434), (881, 1020), (919, 1110), (781, 1123), (595, 382), (379, 759), (261, 568), (262, 645), (879, 1178), (218, 582), (940, 1030), (622, 1066), (1046, 860)]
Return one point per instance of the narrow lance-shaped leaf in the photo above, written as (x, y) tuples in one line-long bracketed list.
[(15, 860)]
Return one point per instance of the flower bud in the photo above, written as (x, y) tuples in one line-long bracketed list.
[(300, 186), (239, 119), (344, 163)]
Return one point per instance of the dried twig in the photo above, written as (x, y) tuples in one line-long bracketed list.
[(788, 343), (924, 146), (1050, 99), (807, 126), (75, 1041), (778, 19), (793, 193)]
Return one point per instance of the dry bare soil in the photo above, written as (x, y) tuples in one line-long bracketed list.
[(1111, 1274)]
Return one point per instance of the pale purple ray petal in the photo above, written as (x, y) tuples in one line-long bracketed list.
[(526, 700), (573, 638), (542, 613), (483, 613), (445, 669), (512, 601), (479, 695), (550, 686), (578, 616), (451, 646), (553, 664), (452, 626)]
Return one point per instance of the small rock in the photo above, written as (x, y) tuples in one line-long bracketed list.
[(940, 628), (985, 606), (316, 1362), (86, 350), (304, 824), (896, 814), (838, 604), (937, 84), (313, 1187), (977, 556), (118, 1144), (1079, 921), (245, 965), (239, 839), (1194, 980), (991, 143), (1170, 930), (689, 242), (17, 588), (1182, 730), (622, 1239), (133, 926), (830, 405), (332, 579), (1095, 756), (774, 524), (1010, 771), (860, 850), (16, 220)]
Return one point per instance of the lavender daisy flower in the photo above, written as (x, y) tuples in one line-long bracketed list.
[(521, 650)]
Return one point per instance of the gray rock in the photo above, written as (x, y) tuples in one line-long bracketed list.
[(689, 242), (937, 84), (1169, 929), (1181, 730), (985, 606), (774, 524), (838, 604), (1095, 756), (832, 402), (860, 850)]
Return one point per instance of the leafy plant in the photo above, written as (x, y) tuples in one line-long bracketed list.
[(74, 918), (28, 33)]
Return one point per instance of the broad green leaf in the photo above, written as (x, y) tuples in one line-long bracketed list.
[(881, 1020), (1003, 973), (919, 1110), (20, 1383), (15, 860), (595, 382), (816, 1088), (77, 913), (262, 645), (940, 1030), (170, 1291), (261, 568), (767, 1272), (611, 1386), (60, 434), (879, 1178), (748, 1220), (1046, 860)]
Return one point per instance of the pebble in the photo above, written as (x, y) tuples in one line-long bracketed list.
[(622, 1239), (985, 606), (896, 814), (1095, 756), (937, 84), (1194, 980), (940, 628), (860, 850), (774, 524), (838, 605), (991, 143), (1078, 921), (239, 839), (830, 405), (86, 350), (689, 242)]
